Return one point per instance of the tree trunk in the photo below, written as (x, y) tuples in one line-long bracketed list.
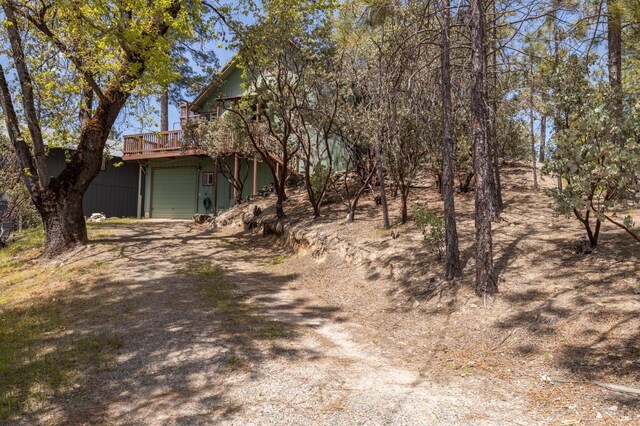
[(378, 142), (543, 132), (280, 203), (281, 185), (383, 194), (453, 268), (404, 195), (614, 39), (354, 203), (532, 135), (64, 223), (164, 111), (498, 202), (534, 166), (485, 279), (586, 222)]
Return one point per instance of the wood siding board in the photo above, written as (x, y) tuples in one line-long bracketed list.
[(113, 192)]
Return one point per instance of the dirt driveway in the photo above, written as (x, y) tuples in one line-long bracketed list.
[(232, 329)]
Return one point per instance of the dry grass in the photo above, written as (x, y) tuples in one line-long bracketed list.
[(247, 317), (571, 317), (40, 357)]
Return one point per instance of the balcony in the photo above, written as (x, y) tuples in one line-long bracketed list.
[(144, 146)]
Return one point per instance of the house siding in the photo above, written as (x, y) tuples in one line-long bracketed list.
[(230, 87), (197, 166), (114, 192)]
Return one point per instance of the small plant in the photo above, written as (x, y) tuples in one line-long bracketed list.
[(432, 226), (277, 260)]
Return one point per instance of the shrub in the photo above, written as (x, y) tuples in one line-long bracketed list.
[(432, 226)]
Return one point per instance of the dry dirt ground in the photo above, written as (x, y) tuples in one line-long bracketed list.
[(228, 327)]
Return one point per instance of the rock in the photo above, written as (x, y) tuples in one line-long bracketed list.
[(583, 247), (599, 415), (200, 218), (212, 223), (549, 318), (97, 217), (612, 409), (249, 222)]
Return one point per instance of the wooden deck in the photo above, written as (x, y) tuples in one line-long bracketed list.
[(144, 146), (159, 144)]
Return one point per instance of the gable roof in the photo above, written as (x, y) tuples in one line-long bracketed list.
[(224, 72)]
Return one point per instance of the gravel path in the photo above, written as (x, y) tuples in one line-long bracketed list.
[(276, 355)]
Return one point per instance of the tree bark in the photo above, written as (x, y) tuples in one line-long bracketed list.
[(485, 275), (614, 41), (453, 268), (281, 192), (543, 132), (493, 144), (532, 135), (164, 111), (63, 221), (380, 176), (404, 195), (378, 142), (586, 222)]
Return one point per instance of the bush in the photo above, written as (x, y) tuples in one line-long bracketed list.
[(16, 207), (318, 177), (432, 226)]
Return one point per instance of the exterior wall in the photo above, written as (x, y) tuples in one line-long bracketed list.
[(202, 165), (229, 87), (114, 192)]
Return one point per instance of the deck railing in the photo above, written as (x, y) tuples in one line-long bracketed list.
[(155, 142), (173, 143)]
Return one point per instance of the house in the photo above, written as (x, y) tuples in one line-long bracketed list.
[(181, 179)]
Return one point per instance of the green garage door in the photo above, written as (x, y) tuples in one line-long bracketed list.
[(173, 192)]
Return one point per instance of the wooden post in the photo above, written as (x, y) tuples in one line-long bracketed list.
[(139, 211), (215, 187), (235, 178), (255, 175)]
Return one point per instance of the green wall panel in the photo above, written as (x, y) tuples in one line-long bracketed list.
[(175, 186)]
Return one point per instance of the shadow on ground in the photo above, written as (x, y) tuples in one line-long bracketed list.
[(179, 316)]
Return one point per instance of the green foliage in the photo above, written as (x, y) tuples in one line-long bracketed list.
[(222, 136), (18, 205), (318, 177), (98, 38), (432, 226), (597, 152)]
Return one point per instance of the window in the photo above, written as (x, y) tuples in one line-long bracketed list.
[(207, 179)]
